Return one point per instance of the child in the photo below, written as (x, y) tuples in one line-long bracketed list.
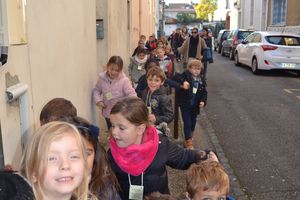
[(55, 163), (142, 83), (169, 53), (141, 44), (112, 86), (103, 182), (136, 67), (208, 180), (139, 155), (190, 101), (151, 43), (57, 108), (165, 62), (157, 101)]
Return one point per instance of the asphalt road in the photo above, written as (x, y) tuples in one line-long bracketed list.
[(257, 122)]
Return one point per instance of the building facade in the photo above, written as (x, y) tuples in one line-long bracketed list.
[(271, 15), (284, 16), (55, 49)]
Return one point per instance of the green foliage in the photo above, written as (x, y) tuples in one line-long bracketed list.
[(205, 7), (186, 18)]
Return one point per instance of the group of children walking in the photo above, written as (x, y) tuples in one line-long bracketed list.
[(65, 160)]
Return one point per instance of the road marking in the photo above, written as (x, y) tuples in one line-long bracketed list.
[(290, 91), (293, 91)]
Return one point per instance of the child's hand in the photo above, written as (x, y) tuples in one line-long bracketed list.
[(212, 157), (152, 118), (9, 167), (100, 105), (185, 85), (201, 104)]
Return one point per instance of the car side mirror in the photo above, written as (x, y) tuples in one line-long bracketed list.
[(244, 42)]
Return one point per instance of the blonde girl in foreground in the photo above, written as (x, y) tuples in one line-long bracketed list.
[(55, 163)]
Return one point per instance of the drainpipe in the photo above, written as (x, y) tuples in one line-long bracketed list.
[(140, 18), (4, 55), (1, 151), (19, 91)]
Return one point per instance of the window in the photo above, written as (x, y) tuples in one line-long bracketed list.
[(3, 24), (250, 38), (12, 12), (257, 38), (284, 40), (279, 12)]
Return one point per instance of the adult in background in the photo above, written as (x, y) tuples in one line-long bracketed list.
[(208, 42), (192, 48)]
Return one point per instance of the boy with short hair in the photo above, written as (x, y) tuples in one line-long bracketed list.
[(207, 180), (158, 102)]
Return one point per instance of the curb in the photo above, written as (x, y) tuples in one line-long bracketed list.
[(235, 187)]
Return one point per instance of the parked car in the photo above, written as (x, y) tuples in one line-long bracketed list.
[(234, 38), (221, 37), (269, 50)]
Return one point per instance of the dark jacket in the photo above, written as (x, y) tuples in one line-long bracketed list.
[(155, 176), (142, 85), (161, 105), (184, 97), (14, 187)]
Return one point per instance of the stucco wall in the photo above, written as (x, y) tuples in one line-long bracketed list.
[(258, 15), (58, 61), (293, 7)]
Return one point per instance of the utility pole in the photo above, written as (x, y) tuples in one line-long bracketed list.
[(161, 31)]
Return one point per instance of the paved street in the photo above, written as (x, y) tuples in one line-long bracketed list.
[(256, 120)]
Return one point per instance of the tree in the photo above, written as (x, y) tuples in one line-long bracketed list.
[(186, 18), (204, 8)]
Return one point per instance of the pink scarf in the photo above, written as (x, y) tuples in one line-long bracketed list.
[(136, 158)]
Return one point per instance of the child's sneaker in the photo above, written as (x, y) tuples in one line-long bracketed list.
[(189, 144)]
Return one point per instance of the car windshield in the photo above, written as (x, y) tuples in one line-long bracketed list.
[(284, 40), (243, 34)]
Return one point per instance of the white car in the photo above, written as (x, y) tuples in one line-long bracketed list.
[(269, 50)]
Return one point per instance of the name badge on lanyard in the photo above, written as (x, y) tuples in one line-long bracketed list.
[(194, 90), (136, 192), (139, 67), (149, 110)]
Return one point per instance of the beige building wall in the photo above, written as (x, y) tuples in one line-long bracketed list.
[(59, 60), (293, 7), (143, 19), (61, 57)]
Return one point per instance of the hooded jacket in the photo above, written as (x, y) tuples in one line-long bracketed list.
[(119, 88)]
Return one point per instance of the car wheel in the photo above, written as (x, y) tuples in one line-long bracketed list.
[(231, 56), (236, 59), (254, 66), (222, 52)]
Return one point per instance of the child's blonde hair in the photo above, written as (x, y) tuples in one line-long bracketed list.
[(194, 62), (35, 158), (208, 175)]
